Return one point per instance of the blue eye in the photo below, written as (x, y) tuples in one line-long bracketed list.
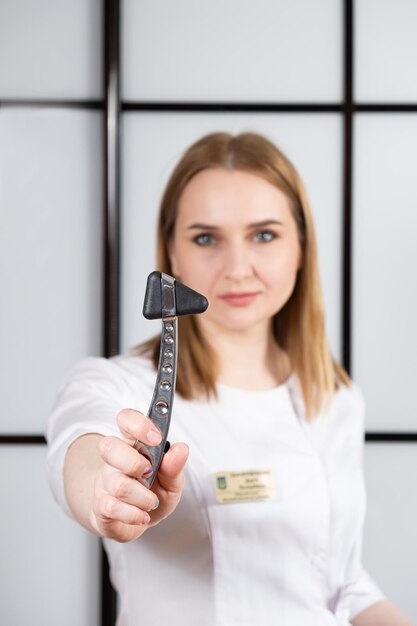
[(265, 236), (204, 239)]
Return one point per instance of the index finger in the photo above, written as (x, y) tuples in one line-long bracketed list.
[(135, 425)]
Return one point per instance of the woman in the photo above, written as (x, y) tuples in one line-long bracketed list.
[(269, 526)]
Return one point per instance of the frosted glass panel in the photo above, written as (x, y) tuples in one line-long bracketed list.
[(235, 50), (49, 566), (385, 50), (390, 544), (385, 261), (152, 145), (50, 256), (50, 49)]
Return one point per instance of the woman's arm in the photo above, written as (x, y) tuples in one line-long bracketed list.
[(381, 613), (102, 480)]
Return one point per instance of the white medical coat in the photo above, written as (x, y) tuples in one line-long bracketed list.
[(293, 560)]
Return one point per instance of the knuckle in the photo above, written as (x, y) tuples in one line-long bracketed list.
[(109, 507), (131, 422), (135, 466), (106, 474), (121, 415), (126, 416), (141, 517), (150, 501), (122, 487), (144, 518), (136, 517), (108, 529), (105, 446)]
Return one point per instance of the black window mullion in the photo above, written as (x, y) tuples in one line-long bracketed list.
[(111, 215), (347, 186)]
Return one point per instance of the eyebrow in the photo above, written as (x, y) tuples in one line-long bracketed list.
[(200, 226)]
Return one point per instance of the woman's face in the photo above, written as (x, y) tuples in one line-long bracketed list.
[(236, 242)]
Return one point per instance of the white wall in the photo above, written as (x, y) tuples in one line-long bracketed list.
[(51, 219), (50, 281)]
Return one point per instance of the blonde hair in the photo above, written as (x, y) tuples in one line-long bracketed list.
[(299, 327)]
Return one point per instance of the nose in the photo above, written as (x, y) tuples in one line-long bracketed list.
[(237, 262)]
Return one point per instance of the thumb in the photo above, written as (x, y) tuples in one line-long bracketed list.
[(170, 474)]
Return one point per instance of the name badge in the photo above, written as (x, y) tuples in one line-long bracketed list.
[(245, 486)]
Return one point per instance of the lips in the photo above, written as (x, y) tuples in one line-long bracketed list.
[(239, 299)]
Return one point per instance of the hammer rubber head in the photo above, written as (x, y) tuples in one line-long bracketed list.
[(187, 301)]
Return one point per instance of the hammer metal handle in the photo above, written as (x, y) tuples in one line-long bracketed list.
[(163, 396)]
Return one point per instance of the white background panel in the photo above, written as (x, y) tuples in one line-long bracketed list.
[(49, 566), (390, 544), (385, 50), (153, 143), (234, 50), (50, 48), (384, 271), (50, 256)]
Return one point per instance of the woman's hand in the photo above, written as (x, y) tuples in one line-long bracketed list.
[(123, 508), (102, 480)]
